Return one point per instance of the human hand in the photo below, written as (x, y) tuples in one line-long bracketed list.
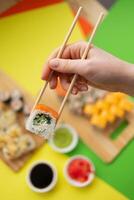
[(100, 69)]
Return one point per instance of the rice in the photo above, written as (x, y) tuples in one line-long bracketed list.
[(41, 123)]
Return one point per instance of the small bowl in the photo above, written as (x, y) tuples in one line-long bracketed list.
[(77, 183), (49, 187), (73, 144)]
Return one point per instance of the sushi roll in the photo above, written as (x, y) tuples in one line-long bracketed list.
[(42, 121), (19, 146), (5, 97), (16, 94), (7, 119), (13, 131), (26, 144), (2, 141), (17, 105)]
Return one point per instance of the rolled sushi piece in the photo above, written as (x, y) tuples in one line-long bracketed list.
[(16, 94), (5, 97), (17, 105), (42, 121)]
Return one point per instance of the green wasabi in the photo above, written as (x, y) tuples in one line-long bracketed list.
[(62, 137)]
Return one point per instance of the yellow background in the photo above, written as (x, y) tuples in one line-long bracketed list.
[(25, 42)]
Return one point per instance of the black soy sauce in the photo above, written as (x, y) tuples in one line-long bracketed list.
[(41, 176)]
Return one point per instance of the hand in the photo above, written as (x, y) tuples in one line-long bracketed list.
[(100, 69)]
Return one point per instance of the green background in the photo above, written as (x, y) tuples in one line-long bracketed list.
[(116, 35)]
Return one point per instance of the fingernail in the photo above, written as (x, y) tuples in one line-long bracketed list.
[(54, 63)]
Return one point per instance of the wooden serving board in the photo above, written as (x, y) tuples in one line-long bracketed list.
[(7, 84)]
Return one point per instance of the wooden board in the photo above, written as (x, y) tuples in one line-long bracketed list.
[(8, 84)]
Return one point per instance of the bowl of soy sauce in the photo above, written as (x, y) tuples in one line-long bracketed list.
[(42, 177)]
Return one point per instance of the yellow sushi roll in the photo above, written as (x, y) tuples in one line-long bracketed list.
[(90, 109), (120, 113), (94, 120), (111, 117), (106, 105), (119, 95), (129, 106), (95, 110), (98, 121), (126, 105), (113, 110), (102, 105), (112, 99), (102, 122), (117, 111), (99, 104), (104, 115)]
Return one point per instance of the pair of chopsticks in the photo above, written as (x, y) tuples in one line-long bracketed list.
[(60, 54)]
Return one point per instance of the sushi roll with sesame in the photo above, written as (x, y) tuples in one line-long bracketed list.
[(18, 146), (16, 94), (17, 105), (42, 121), (5, 97)]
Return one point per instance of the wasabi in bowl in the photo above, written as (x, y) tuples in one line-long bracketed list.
[(64, 139)]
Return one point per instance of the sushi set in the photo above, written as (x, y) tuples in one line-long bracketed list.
[(16, 143), (103, 111)]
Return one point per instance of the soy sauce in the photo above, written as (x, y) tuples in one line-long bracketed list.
[(41, 175)]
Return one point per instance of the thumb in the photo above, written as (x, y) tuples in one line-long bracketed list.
[(68, 65)]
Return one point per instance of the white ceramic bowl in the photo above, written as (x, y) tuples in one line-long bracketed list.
[(53, 183), (76, 183), (73, 143)]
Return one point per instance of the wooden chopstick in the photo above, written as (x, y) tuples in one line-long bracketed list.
[(58, 56), (83, 57)]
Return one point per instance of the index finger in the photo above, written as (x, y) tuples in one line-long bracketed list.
[(46, 69)]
